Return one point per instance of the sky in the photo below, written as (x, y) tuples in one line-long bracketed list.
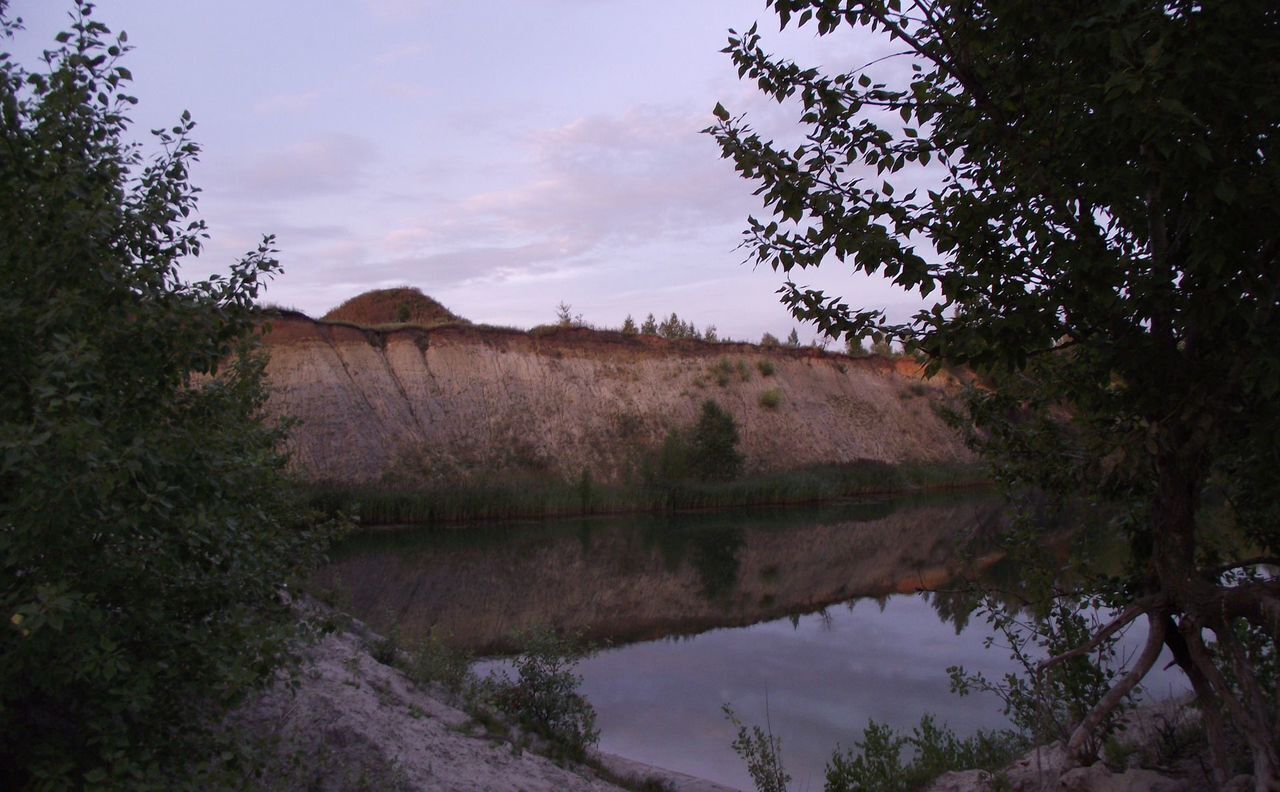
[(503, 157)]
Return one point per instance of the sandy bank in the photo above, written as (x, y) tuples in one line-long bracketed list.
[(354, 723)]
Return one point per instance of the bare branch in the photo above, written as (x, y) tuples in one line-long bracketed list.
[(1091, 722), (1200, 654), (1139, 607), (1256, 733), (1248, 562), (1210, 708)]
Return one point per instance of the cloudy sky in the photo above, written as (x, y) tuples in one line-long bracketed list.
[(502, 156)]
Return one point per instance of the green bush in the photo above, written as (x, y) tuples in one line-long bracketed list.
[(1047, 706), (544, 696), (147, 528), (387, 649), (766, 367), (434, 660), (714, 445), (770, 399), (762, 752), (722, 372), (879, 764)]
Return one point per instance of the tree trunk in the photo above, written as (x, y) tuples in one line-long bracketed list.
[(1181, 470)]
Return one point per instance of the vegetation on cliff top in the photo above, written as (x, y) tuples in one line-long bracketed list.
[(404, 305)]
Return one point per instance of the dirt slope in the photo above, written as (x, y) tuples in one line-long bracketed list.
[(455, 401)]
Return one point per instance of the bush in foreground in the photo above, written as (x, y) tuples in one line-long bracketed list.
[(544, 696), (146, 530)]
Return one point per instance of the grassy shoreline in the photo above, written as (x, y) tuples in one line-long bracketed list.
[(521, 499)]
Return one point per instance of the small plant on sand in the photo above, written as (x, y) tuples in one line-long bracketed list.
[(762, 752), (879, 766), (884, 760), (387, 649), (433, 660), (544, 696)]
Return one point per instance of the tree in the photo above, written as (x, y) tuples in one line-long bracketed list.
[(1088, 191), (714, 444), (565, 317), (768, 340), (146, 525), (793, 339), (650, 326), (629, 326), (675, 327)]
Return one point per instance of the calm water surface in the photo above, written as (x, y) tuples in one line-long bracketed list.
[(806, 618)]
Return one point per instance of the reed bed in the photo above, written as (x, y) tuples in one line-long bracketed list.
[(524, 498)]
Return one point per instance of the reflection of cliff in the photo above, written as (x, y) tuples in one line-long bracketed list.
[(455, 401), (641, 579)]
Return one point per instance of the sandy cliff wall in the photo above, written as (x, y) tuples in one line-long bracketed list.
[(454, 402)]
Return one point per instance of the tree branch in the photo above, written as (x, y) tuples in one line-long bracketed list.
[(1130, 613), (1150, 653), (1225, 568)]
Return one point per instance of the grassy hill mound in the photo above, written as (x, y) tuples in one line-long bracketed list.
[(405, 305)]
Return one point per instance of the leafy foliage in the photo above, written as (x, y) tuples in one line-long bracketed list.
[(705, 452), (762, 752), (675, 327), (878, 764), (884, 760), (714, 444), (544, 696), (1045, 707), (1089, 194), (433, 659), (147, 531)]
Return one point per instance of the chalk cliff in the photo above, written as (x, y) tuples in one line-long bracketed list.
[(456, 400)]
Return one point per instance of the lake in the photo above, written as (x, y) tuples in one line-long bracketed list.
[(805, 617)]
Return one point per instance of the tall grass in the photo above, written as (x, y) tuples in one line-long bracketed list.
[(525, 498)]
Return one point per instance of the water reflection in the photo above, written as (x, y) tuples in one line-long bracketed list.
[(640, 578), (793, 616), (816, 683)]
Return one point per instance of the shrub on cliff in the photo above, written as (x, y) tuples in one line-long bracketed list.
[(146, 529), (714, 445)]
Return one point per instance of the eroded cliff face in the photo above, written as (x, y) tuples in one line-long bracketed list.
[(451, 403)]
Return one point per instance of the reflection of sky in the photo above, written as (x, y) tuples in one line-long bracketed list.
[(660, 702)]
